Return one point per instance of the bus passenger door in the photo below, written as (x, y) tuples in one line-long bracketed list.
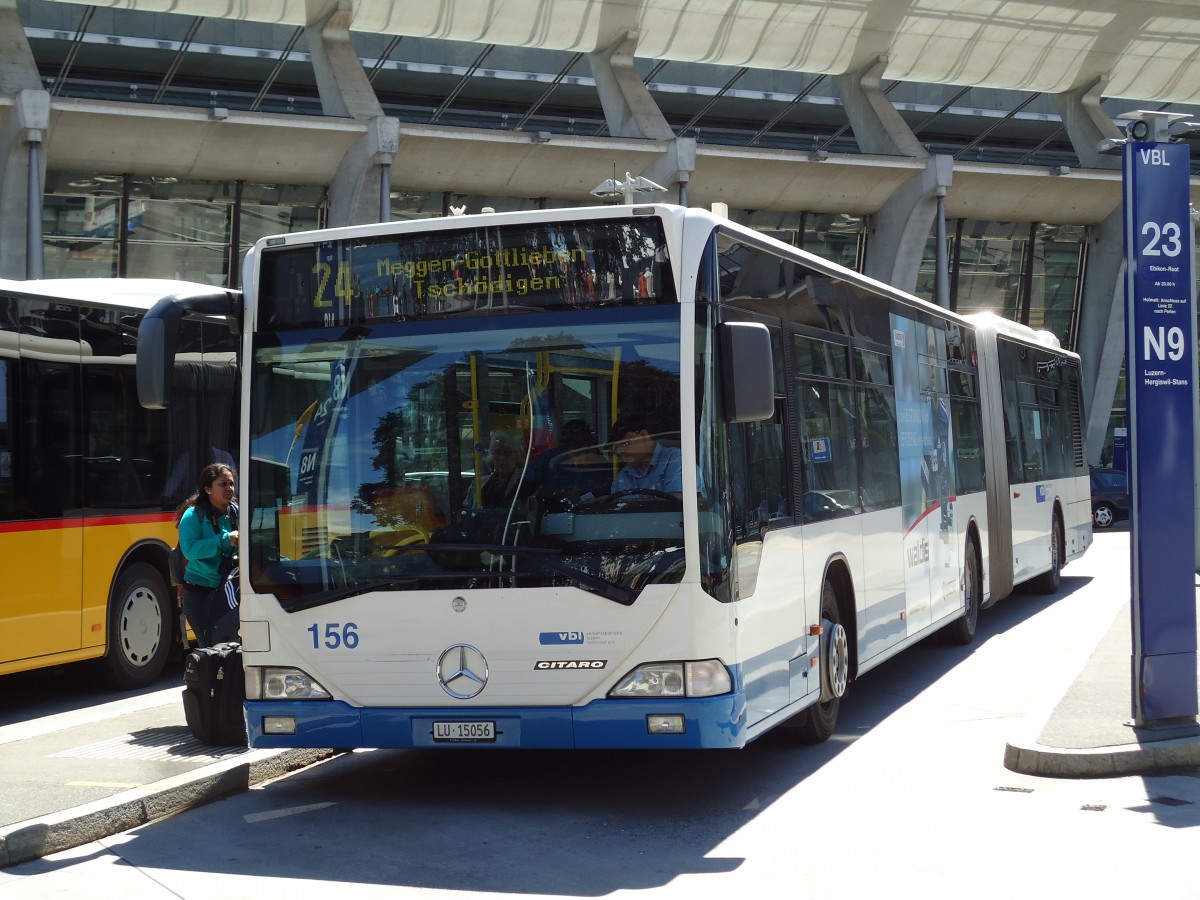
[(930, 546), (768, 573), (41, 509)]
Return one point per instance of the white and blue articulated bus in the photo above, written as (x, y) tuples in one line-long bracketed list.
[(623, 477)]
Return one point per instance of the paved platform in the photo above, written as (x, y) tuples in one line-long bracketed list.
[(1085, 729), (79, 776), (83, 775)]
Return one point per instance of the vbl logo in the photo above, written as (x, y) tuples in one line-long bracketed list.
[(561, 637)]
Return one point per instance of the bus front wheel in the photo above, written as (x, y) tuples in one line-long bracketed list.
[(819, 719), (139, 627)]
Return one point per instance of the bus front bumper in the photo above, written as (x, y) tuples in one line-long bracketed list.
[(603, 724)]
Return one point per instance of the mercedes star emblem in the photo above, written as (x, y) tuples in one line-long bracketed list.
[(462, 671)]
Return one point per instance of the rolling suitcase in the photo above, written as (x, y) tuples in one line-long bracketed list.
[(214, 686)]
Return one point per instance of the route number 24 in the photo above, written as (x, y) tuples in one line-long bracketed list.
[(336, 635), (1164, 239)]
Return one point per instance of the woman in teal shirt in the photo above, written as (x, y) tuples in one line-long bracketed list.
[(208, 537)]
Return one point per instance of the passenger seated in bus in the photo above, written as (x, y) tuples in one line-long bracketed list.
[(646, 463), (499, 488)]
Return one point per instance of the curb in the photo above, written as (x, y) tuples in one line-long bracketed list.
[(35, 838), (1026, 754), (1103, 762)]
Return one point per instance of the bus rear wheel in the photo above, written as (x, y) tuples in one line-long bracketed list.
[(139, 627), (1049, 582), (818, 721)]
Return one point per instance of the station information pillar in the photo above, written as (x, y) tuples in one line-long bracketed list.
[(1160, 355)]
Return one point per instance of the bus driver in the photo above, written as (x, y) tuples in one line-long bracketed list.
[(646, 463)]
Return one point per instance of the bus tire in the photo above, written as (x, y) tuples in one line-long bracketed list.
[(1049, 582), (818, 720), (140, 627), (962, 630)]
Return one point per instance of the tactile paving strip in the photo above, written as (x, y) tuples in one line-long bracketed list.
[(159, 744)]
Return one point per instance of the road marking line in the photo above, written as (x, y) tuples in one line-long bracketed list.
[(283, 813)]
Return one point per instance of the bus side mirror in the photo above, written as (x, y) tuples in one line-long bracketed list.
[(747, 371), (156, 339), (158, 336)]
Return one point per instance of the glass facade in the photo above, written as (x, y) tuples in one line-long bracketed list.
[(104, 226), (1031, 273), (100, 225), (406, 204), (839, 237), (1028, 272)]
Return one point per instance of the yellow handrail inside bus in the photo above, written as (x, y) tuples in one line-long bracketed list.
[(474, 404)]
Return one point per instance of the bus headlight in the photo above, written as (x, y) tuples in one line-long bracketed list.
[(290, 684), (693, 678)]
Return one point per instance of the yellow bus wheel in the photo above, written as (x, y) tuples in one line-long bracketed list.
[(140, 627)]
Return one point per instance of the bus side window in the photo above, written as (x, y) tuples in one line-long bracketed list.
[(880, 449), (967, 430), (1055, 431), (1012, 443), (8, 405), (828, 439), (1033, 466), (759, 477)]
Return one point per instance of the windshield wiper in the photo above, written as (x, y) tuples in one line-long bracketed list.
[(320, 598), (545, 557), (588, 582)]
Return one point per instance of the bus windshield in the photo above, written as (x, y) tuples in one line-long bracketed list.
[(435, 454)]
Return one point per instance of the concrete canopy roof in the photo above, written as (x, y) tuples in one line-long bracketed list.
[(1146, 49), (190, 143)]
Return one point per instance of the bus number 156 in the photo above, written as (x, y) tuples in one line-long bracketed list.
[(336, 635)]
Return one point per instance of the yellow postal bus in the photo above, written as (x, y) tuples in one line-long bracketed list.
[(89, 480)]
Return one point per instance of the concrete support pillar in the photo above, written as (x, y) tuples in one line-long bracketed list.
[(18, 71), (942, 279), (628, 107), (673, 170), (1101, 334), (1101, 341), (1087, 124), (23, 134), (359, 192), (877, 126), (899, 231), (631, 112), (341, 82), (24, 130)]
